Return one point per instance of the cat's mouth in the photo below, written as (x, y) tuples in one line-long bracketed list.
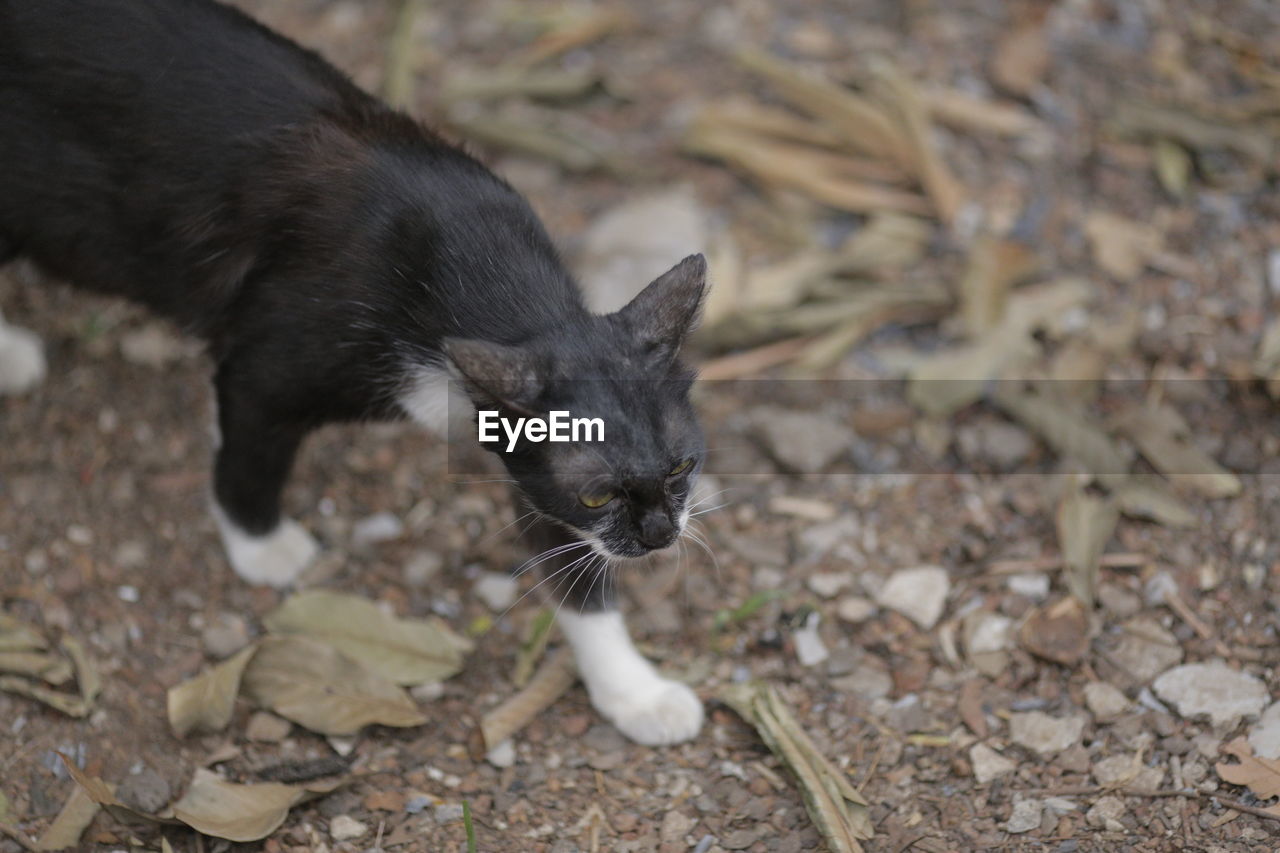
[(633, 551)]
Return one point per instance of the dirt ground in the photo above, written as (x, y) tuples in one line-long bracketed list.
[(105, 534)]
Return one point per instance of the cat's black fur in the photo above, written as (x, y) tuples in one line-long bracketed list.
[(177, 153)]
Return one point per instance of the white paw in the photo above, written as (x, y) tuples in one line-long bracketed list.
[(665, 712), (22, 363), (275, 559)]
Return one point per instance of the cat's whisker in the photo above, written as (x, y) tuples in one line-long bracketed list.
[(577, 577), (539, 559), (705, 511), (705, 498), (696, 537), (558, 572), (509, 524), (601, 571)]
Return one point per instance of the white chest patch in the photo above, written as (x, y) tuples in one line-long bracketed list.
[(434, 399)]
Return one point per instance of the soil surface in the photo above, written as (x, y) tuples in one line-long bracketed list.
[(105, 532)]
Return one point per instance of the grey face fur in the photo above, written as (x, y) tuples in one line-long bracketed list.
[(630, 491)]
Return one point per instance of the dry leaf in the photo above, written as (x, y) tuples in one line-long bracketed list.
[(42, 665), (405, 651), (1021, 58), (837, 808), (935, 176), (318, 687), (1085, 523), (1147, 497), (73, 819), (969, 113), (1165, 440), (1198, 133), (859, 121), (1259, 775), (223, 809), (994, 266), (1058, 632), (828, 178), (549, 683), (72, 706), (206, 702), (1173, 167), (103, 793), (1121, 246), (17, 636), (1067, 430)]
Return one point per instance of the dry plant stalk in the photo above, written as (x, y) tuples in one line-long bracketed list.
[(549, 683), (838, 809), (397, 78), (820, 175), (591, 28)]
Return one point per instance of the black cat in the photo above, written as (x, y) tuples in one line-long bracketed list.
[(343, 263)]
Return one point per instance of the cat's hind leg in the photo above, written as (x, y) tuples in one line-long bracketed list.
[(254, 458), (22, 364)]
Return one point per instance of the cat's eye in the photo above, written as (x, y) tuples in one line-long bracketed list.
[(596, 501), (681, 468)]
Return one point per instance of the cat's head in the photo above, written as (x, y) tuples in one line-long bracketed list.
[(628, 493)]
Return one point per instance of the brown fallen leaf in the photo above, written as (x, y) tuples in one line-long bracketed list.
[(994, 266), (859, 121), (318, 687), (1259, 775), (825, 177), (405, 651), (838, 809), (1150, 499), (223, 809), (1165, 440), (971, 114), (549, 683), (18, 636), (1085, 524), (103, 793), (1121, 246), (73, 819), (970, 707), (42, 665), (206, 702), (1021, 58), (1058, 632), (926, 159), (87, 677), (72, 706), (1067, 429)]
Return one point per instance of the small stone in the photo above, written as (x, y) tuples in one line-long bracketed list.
[(1074, 759), (1025, 817), (417, 803), (130, 555), (375, 529), (920, 594), (675, 826), (497, 591), (767, 577), (429, 692), (739, 839), (603, 738), (346, 828), (829, 584), (1224, 694), (1104, 700), (267, 728), (1264, 737), (866, 681), (1106, 814), (988, 764), (855, 610), (801, 442), (145, 791), (1117, 600), (1127, 771), (1001, 445), (810, 650), (1043, 734), (502, 755), (907, 714), (226, 634), (1146, 649), (153, 346), (447, 812), (128, 594), (1032, 586), (422, 567)]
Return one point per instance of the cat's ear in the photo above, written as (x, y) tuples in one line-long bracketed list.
[(664, 313), (497, 373)]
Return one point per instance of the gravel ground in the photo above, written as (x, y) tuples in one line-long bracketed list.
[(926, 688)]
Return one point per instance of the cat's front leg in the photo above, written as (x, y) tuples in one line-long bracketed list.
[(623, 685), (22, 364), (254, 457)]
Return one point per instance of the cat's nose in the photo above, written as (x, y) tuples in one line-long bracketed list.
[(656, 530)]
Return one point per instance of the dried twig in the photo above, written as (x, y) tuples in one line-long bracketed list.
[(549, 683)]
